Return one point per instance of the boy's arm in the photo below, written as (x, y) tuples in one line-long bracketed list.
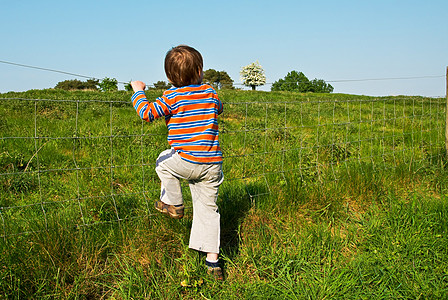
[(141, 104), (146, 110), (220, 107)]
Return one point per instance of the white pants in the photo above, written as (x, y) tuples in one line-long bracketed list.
[(204, 181)]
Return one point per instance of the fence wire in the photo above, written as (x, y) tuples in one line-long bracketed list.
[(83, 163)]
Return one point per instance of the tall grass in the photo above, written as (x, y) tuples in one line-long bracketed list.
[(326, 196)]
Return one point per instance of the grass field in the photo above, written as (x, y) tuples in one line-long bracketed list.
[(326, 196)]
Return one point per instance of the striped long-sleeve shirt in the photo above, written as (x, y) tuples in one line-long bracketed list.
[(191, 115)]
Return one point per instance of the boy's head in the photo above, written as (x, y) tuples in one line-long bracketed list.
[(183, 66)]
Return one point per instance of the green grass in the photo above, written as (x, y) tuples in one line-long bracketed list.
[(326, 196)]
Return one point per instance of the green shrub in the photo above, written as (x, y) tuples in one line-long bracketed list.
[(108, 84), (75, 84)]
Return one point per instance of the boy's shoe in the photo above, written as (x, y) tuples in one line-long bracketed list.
[(175, 212), (216, 272), (214, 269)]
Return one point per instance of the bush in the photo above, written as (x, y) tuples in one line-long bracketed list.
[(297, 81), (161, 85), (128, 87), (75, 84), (108, 84)]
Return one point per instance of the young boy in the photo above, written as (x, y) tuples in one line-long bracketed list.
[(190, 109)]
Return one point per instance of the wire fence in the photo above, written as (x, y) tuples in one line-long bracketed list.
[(82, 163), (226, 84)]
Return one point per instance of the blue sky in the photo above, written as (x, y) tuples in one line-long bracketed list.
[(330, 40)]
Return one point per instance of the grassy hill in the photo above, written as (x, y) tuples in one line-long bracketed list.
[(326, 196)]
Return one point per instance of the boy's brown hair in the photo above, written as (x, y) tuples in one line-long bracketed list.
[(183, 66)]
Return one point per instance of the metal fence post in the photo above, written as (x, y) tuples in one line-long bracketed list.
[(446, 114)]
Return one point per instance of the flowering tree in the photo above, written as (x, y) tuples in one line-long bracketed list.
[(253, 75)]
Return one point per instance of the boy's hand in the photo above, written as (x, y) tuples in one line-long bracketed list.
[(138, 86)]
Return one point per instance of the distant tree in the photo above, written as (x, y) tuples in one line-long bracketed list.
[(293, 81), (297, 81), (253, 75), (75, 84), (218, 79), (320, 86), (128, 87), (161, 85), (108, 84)]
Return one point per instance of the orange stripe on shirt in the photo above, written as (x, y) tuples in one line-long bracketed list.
[(193, 129), (201, 159)]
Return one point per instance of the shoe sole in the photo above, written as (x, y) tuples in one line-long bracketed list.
[(166, 212)]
